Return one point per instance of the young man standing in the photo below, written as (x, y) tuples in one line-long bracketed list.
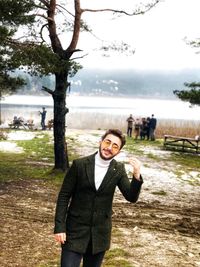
[(152, 127), (130, 121), (43, 117), (84, 205)]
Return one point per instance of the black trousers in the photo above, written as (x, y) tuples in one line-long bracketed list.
[(129, 131), (73, 259)]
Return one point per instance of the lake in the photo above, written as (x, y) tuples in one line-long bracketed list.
[(93, 111)]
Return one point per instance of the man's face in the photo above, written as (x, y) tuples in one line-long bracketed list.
[(109, 147)]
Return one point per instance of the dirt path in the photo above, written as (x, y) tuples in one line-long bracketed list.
[(161, 230), (26, 220)]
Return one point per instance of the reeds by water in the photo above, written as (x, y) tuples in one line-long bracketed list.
[(178, 128), (103, 121), (87, 120)]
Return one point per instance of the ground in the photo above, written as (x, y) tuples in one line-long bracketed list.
[(161, 230)]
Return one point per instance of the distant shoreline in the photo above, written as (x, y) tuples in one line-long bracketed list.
[(100, 108)]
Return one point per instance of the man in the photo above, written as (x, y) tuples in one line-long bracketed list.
[(43, 117), (152, 127), (130, 121), (137, 128), (84, 205)]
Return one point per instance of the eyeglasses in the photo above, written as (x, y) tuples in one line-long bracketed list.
[(115, 148)]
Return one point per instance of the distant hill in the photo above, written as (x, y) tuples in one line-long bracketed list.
[(156, 84), (132, 82)]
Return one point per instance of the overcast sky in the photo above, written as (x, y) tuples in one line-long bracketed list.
[(157, 37)]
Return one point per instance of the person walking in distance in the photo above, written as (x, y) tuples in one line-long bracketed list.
[(152, 127), (43, 117), (130, 121), (84, 205)]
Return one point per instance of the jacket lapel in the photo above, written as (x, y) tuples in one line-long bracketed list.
[(90, 165), (90, 170)]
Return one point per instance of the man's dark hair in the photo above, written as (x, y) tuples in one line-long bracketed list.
[(117, 133)]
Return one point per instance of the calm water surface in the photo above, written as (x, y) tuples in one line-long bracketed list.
[(83, 109)]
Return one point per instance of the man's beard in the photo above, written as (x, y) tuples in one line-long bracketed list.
[(105, 158)]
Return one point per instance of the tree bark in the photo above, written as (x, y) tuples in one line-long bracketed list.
[(60, 111)]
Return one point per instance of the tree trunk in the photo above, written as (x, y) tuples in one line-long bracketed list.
[(60, 110)]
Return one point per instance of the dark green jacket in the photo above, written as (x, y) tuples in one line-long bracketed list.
[(84, 212)]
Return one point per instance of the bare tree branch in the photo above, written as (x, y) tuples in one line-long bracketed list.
[(62, 7), (55, 41), (41, 30), (44, 17), (47, 90), (46, 3), (134, 13), (79, 57), (77, 26)]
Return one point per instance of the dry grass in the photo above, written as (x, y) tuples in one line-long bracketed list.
[(102, 121), (178, 128), (95, 121)]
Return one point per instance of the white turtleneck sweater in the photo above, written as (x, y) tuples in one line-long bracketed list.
[(101, 167)]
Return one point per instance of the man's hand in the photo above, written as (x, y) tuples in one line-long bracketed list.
[(136, 164), (60, 237)]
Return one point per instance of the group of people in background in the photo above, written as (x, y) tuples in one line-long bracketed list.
[(20, 121), (143, 128)]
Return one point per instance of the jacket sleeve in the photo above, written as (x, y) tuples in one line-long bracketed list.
[(64, 197), (129, 189)]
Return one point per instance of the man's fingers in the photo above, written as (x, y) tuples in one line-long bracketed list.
[(135, 162), (61, 237)]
